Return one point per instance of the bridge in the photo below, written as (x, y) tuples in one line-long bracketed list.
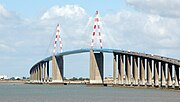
[(129, 68), (128, 62)]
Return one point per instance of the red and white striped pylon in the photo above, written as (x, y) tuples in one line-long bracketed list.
[(57, 38), (96, 26)]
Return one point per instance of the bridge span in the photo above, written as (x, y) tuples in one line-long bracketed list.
[(129, 67)]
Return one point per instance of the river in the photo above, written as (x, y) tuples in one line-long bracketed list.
[(10, 92)]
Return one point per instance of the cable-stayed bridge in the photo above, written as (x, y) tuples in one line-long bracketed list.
[(129, 68)]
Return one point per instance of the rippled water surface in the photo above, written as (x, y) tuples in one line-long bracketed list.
[(58, 93)]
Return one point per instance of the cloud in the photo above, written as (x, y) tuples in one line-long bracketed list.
[(136, 31), (4, 12), (143, 33), (4, 47), (67, 11), (163, 8), (33, 39), (73, 20)]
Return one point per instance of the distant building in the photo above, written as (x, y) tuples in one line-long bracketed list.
[(3, 77)]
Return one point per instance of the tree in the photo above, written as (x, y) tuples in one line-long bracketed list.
[(81, 78), (24, 78), (74, 78), (12, 78)]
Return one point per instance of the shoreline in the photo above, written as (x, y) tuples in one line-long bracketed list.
[(14, 81), (86, 83)]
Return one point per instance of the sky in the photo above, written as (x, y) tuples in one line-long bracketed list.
[(27, 31)]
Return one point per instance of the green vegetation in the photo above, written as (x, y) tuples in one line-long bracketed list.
[(76, 79)]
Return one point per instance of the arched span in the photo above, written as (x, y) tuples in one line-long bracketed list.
[(116, 51)]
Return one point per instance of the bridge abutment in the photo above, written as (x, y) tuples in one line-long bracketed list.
[(96, 68)]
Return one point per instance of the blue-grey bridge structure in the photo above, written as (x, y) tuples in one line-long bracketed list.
[(132, 68)]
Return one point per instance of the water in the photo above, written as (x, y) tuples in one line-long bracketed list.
[(57, 93)]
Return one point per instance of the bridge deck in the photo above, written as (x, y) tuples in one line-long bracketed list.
[(155, 57)]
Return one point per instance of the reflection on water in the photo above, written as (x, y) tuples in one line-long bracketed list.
[(58, 93)]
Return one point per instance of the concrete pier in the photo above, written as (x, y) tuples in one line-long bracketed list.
[(156, 73), (142, 71), (96, 68), (176, 76), (169, 75), (41, 72), (163, 73), (38, 70), (114, 69), (128, 70), (135, 70), (120, 69), (48, 71), (57, 69), (149, 72), (45, 74)]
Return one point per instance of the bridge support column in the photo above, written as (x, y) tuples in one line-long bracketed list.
[(142, 71), (41, 72), (176, 76), (37, 73), (120, 69), (45, 70), (169, 75), (33, 76), (114, 69), (96, 68), (128, 70), (163, 74), (30, 76), (37, 76), (57, 69), (156, 73), (149, 72), (135, 70)]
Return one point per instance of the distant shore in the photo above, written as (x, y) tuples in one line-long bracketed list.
[(13, 81)]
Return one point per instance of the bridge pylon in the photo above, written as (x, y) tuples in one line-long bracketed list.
[(56, 39), (57, 62), (96, 27)]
